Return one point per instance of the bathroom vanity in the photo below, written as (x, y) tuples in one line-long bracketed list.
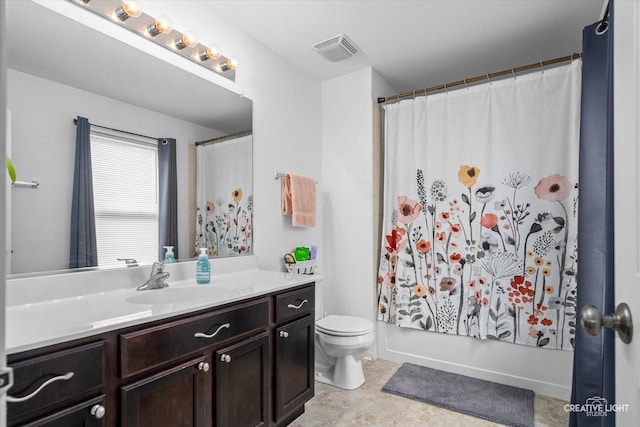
[(237, 352)]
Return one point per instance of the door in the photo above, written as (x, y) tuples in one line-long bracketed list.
[(175, 397), (242, 383), (627, 190), (294, 365), (4, 375)]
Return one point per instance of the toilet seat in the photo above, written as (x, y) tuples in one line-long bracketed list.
[(344, 326)]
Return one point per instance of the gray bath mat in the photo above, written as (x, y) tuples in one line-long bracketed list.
[(490, 401)]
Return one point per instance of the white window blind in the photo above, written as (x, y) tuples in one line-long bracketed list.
[(125, 186)]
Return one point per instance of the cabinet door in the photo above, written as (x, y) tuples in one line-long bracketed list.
[(174, 397), (294, 354), (85, 414), (241, 397)]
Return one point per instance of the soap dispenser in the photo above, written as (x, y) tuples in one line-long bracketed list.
[(168, 256), (203, 267)]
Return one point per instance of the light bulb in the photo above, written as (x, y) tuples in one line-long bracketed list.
[(230, 64), (211, 52), (162, 25), (129, 8), (188, 39)]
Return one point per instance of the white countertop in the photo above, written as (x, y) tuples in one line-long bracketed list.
[(37, 324)]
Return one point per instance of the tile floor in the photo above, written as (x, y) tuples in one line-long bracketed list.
[(368, 406)]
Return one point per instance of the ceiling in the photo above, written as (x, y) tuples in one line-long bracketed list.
[(416, 44)]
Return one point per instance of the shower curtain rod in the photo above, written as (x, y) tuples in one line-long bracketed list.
[(480, 78), (75, 122), (225, 137)]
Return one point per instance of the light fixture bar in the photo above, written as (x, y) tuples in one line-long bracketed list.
[(160, 31)]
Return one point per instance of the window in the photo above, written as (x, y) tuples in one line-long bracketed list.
[(125, 186)]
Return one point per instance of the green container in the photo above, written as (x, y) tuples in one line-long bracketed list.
[(301, 254)]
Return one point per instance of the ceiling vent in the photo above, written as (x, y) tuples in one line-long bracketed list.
[(336, 48)]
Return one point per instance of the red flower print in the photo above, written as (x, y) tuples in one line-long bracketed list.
[(408, 210), (481, 280), (423, 246), (396, 240), (210, 208), (441, 237), (456, 230), (533, 320), (485, 302), (553, 188), (444, 216), (547, 322), (471, 283), (489, 220), (455, 257)]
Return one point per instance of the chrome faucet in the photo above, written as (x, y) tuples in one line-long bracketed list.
[(156, 278)]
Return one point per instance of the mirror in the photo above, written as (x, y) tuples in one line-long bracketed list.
[(60, 69)]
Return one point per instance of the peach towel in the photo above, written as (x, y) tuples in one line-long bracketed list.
[(299, 199)]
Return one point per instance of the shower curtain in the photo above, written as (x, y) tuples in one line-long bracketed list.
[(224, 222), (480, 210)]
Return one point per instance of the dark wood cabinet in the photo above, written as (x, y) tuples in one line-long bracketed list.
[(294, 367), (242, 376), (247, 363), (173, 397), (85, 414)]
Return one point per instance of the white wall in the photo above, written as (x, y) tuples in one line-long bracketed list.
[(347, 133), (44, 150), (286, 113)]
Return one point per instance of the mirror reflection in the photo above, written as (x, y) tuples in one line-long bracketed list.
[(134, 102)]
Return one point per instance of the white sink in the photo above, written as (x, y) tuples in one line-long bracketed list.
[(177, 295)]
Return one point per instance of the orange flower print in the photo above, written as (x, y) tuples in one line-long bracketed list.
[(553, 188), (237, 195), (396, 240), (455, 257), (489, 220), (533, 320), (423, 246), (468, 175), (408, 210), (420, 291), (547, 322)]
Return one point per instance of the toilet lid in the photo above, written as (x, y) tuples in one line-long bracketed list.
[(344, 325)]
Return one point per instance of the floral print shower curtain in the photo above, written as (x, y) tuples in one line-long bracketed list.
[(480, 210), (224, 212)]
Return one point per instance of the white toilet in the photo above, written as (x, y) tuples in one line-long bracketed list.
[(341, 342)]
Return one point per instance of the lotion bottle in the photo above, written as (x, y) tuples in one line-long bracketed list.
[(203, 267)]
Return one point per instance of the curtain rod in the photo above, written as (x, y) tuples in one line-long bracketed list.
[(480, 78), (225, 137), (75, 122)]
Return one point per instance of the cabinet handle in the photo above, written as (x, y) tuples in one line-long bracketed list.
[(284, 334), (98, 411), (203, 335), (225, 358), (64, 377), (297, 307), (203, 366)]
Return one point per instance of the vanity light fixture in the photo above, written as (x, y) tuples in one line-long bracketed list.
[(211, 52), (162, 25), (160, 31), (188, 39), (128, 9)]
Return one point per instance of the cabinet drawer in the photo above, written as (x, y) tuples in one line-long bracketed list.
[(294, 304), (156, 346), (77, 372)]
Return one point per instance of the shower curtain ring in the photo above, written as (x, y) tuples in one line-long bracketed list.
[(445, 88), (541, 67), (465, 84), (513, 71), (490, 82)]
